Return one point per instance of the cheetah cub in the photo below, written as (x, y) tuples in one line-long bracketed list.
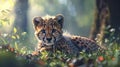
[(49, 33)]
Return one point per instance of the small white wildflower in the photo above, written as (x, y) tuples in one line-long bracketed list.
[(83, 50), (74, 60), (5, 35), (89, 55), (112, 30), (106, 40), (96, 39), (7, 50), (15, 51)]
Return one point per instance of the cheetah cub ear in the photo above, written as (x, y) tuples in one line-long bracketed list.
[(60, 19), (37, 21)]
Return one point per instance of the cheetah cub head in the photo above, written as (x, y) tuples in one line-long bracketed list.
[(48, 29)]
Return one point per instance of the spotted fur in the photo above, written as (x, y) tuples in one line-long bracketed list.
[(49, 32)]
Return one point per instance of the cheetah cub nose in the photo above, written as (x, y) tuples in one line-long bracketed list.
[(48, 39)]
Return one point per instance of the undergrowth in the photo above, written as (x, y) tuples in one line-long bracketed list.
[(13, 55)]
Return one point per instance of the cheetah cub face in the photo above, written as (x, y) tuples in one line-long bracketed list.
[(48, 29)]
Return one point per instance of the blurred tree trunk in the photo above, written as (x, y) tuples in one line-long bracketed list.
[(21, 20), (107, 20), (101, 19)]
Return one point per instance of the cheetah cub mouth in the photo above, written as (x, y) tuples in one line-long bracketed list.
[(48, 29)]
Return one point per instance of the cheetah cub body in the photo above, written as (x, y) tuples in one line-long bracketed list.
[(49, 32)]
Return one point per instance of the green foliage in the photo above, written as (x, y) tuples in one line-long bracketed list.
[(12, 57), (4, 14)]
